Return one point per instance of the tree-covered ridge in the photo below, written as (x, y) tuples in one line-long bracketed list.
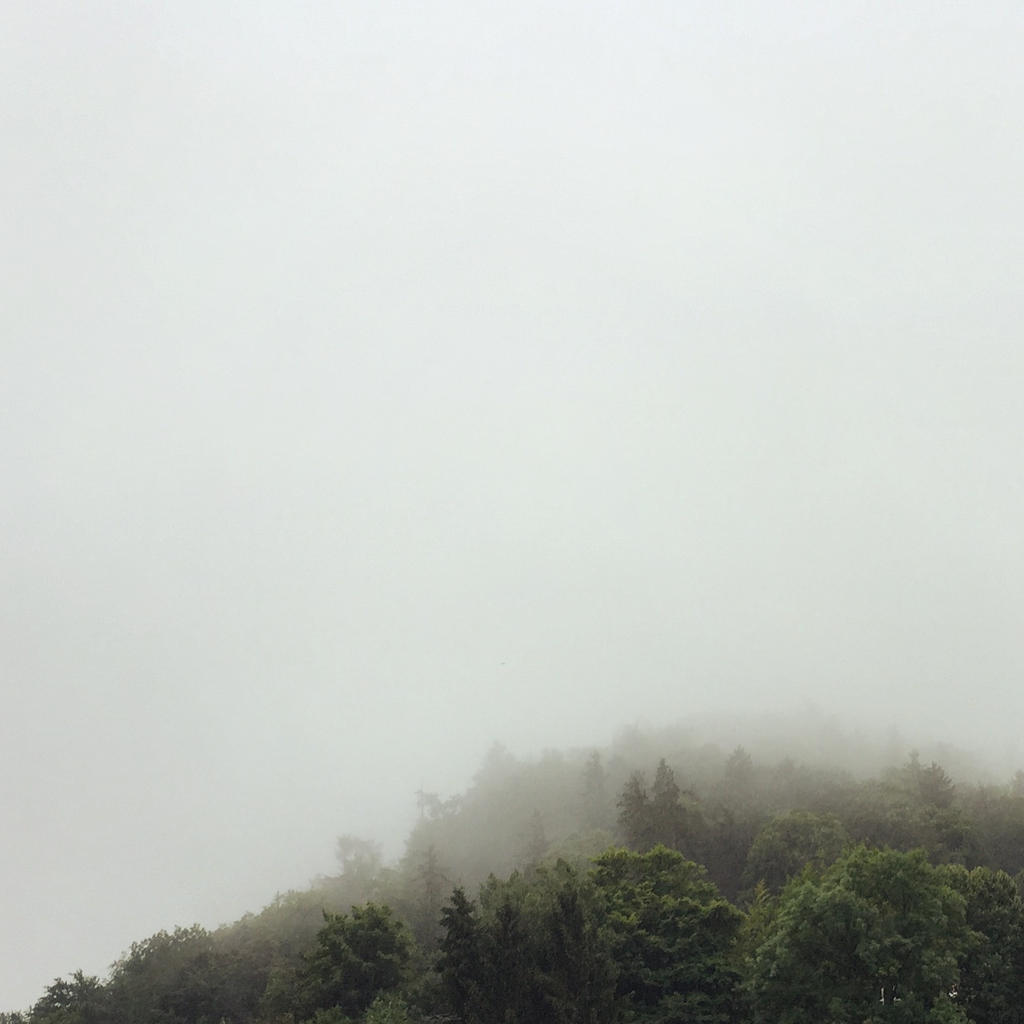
[(625, 885)]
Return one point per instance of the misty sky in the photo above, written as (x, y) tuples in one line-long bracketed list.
[(381, 380)]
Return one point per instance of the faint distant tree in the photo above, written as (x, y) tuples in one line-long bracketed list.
[(361, 877), (935, 786), (595, 793), (739, 776), (535, 844), (668, 817), (929, 783), (659, 816), (634, 812), (429, 805), (360, 859), (499, 764), (431, 883)]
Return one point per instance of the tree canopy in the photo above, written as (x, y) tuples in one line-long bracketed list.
[(621, 887)]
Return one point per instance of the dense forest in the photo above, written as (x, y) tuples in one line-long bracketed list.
[(662, 879)]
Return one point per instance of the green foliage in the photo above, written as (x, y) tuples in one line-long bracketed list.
[(740, 778), (997, 819), (634, 812), (991, 985), (417, 892), (530, 952), (78, 1000), (170, 977), (661, 817), (790, 842), (574, 949), (357, 956), (672, 936), (929, 783), (461, 963), (878, 928), (387, 1009), (867, 935)]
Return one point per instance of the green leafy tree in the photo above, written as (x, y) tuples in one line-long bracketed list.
[(791, 841), (672, 936), (991, 985), (878, 936), (357, 956), (81, 999), (170, 977), (997, 817), (387, 1009)]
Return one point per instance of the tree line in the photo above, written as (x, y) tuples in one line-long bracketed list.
[(734, 893)]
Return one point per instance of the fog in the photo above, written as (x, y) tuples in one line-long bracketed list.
[(383, 380)]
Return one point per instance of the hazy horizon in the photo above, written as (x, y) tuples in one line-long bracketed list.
[(382, 382)]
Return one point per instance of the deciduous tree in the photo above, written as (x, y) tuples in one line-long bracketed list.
[(879, 935)]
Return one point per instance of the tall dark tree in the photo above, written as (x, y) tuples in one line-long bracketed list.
[(460, 964), (574, 950), (532, 952), (663, 816)]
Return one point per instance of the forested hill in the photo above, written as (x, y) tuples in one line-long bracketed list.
[(664, 878)]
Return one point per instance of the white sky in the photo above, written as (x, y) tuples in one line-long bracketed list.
[(384, 379)]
